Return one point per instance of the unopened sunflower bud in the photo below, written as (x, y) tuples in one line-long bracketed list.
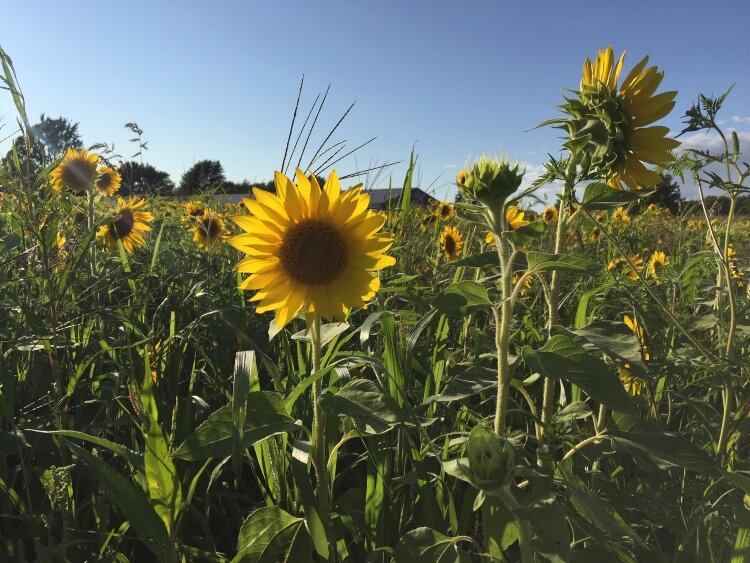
[(491, 459), (490, 181)]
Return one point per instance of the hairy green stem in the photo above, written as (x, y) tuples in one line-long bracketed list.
[(503, 315)]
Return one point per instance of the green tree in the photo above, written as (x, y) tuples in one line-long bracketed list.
[(667, 195), (142, 179), (203, 175), (49, 139)]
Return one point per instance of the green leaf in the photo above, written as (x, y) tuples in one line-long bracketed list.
[(666, 450), (562, 358), (551, 534), (525, 235), (425, 545), (328, 332), (603, 196), (471, 381), (574, 411), (300, 457), (542, 261), (213, 438), (270, 535), (499, 526), (371, 408), (462, 298), (134, 458), (131, 500), (741, 551), (489, 259)]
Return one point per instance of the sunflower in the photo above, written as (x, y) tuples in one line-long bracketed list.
[(311, 249), (635, 328), (515, 219), (129, 225), (526, 282), (427, 221), (621, 217), (596, 234), (451, 243), (549, 215), (489, 238), (622, 265), (445, 210), (208, 230), (694, 224), (633, 384), (193, 210), (76, 171), (108, 180), (609, 123), (657, 262)]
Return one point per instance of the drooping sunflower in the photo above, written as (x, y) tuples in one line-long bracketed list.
[(209, 230), (549, 215), (76, 171), (635, 328), (656, 263), (526, 281), (633, 384), (451, 243), (515, 219), (311, 249), (107, 180), (129, 225), (608, 124), (445, 210)]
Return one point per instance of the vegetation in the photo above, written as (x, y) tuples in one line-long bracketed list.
[(469, 382)]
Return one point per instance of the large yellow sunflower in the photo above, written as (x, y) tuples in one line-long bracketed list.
[(208, 230), (107, 180), (193, 210), (76, 171), (609, 129), (451, 243), (129, 225), (311, 249)]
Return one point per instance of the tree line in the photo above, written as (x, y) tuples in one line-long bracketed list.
[(52, 136)]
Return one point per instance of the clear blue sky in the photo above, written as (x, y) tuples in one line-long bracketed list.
[(219, 79)]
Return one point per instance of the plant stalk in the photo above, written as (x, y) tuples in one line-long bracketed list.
[(319, 425)]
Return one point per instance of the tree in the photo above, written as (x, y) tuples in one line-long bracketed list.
[(50, 138), (667, 195), (141, 179), (202, 176)]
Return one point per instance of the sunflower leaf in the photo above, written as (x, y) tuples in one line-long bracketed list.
[(462, 298)]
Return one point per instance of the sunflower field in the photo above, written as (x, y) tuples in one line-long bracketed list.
[(303, 378)]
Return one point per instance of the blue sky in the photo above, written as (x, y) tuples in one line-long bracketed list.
[(219, 79)]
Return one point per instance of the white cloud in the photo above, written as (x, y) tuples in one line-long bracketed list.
[(740, 119), (450, 166), (703, 140)]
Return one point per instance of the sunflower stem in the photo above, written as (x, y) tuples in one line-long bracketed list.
[(318, 425), (503, 314), (553, 305), (90, 224)]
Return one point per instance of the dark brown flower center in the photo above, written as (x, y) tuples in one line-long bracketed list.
[(450, 244), (211, 227), (313, 252), (78, 174), (123, 225), (104, 181)]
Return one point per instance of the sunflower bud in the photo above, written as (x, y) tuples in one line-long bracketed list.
[(489, 181), (491, 459)]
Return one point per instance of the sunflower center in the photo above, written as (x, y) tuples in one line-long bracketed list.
[(104, 181), (313, 252), (450, 245), (78, 174), (121, 227), (212, 228)]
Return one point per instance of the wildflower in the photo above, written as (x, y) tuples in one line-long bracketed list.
[(694, 224), (107, 180), (633, 384), (596, 234), (526, 282), (657, 262), (451, 243), (193, 210), (622, 265), (76, 171), (607, 124), (129, 225), (311, 249), (621, 216), (635, 328), (208, 230), (549, 215), (445, 211)]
